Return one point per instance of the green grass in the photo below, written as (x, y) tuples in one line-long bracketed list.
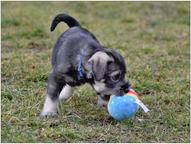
[(152, 36)]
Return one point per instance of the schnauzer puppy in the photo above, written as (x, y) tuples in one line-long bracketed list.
[(78, 58)]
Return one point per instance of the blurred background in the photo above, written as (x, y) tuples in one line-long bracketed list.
[(153, 37)]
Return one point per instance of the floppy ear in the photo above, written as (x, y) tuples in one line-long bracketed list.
[(98, 63)]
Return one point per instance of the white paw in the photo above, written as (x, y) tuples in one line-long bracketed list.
[(66, 92), (50, 108)]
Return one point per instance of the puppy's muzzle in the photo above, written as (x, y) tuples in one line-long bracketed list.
[(125, 86)]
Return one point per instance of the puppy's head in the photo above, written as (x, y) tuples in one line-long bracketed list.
[(109, 70)]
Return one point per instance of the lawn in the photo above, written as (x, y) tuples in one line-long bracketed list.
[(153, 37)]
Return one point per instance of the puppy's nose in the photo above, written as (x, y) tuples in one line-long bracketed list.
[(125, 86)]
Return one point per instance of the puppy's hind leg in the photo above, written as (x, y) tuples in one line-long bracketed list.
[(66, 92), (52, 97)]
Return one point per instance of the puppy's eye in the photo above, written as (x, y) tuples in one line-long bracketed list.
[(116, 77)]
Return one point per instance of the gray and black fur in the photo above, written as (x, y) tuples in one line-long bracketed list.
[(103, 68)]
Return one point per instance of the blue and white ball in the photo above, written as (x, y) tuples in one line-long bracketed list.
[(123, 107)]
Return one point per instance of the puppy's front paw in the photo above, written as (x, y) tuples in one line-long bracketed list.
[(101, 102), (48, 114)]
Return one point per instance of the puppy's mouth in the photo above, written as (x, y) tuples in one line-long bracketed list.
[(114, 91), (117, 90)]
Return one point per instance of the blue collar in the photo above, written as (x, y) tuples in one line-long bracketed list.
[(81, 70)]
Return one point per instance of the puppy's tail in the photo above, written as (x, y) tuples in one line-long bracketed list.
[(70, 21)]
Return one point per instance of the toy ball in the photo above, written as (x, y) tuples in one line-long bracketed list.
[(123, 107)]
